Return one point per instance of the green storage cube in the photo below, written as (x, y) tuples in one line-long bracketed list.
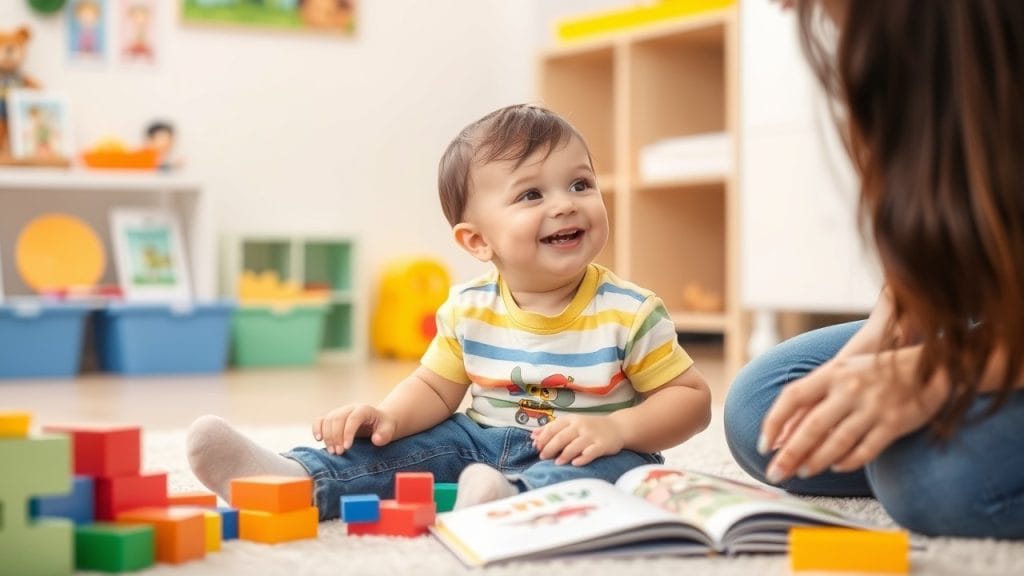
[(267, 336), (114, 547)]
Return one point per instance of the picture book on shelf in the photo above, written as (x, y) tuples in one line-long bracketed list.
[(653, 509)]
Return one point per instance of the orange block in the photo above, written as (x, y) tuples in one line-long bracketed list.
[(213, 524), (203, 499), (398, 519), (274, 494), (180, 532), (271, 528), (848, 550)]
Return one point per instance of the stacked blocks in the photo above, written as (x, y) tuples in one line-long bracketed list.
[(228, 523), (202, 499), (411, 513), (34, 466), (360, 508), (114, 547), (274, 509), (180, 533), (77, 506)]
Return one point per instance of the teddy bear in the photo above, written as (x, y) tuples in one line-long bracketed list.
[(12, 56)]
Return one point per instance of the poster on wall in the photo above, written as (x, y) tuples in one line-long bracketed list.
[(137, 31), (331, 16), (151, 263), (87, 30)]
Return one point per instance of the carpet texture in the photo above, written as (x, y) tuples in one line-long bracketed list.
[(335, 553)]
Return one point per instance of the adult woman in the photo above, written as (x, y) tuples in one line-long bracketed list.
[(919, 405)]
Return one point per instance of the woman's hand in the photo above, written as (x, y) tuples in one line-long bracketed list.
[(339, 427), (578, 439), (842, 415)]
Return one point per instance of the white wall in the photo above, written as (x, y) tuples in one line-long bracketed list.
[(296, 133)]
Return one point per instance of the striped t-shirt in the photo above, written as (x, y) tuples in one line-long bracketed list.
[(613, 341)]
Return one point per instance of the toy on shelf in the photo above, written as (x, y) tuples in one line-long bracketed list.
[(160, 137), (410, 292), (700, 299), (266, 288), (13, 45), (112, 153)]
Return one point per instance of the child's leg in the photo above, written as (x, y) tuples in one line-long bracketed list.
[(217, 453), (546, 472)]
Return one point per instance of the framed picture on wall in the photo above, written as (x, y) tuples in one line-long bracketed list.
[(331, 16), (148, 250), (88, 32), (40, 125), (137, 40)]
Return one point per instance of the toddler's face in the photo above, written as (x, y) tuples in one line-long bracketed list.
[(544, 221)]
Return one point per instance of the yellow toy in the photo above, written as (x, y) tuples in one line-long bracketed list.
[(410, 293), (821, 549)]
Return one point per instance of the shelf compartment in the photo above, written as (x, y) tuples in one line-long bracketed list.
[(328, 263), (267, 255), (338, 328), (579, 85)]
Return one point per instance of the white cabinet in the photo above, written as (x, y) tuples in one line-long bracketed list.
[(89, 195), (800, 247)]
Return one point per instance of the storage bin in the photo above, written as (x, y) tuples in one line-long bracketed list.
[(137, 338), (41, 339), (278, 336)]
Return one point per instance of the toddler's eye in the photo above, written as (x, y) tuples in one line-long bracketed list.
[(580, 186), (531, 194)]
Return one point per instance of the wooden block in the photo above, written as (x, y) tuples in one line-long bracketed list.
[(397, 519), (274, 494), (14, 424), (34, 466), (444, 496), (115, 495), (360, 508), (104, 450), (228, 523), (272, 528), (414, 487), (848, 550), (204, 499), (114, 547), (180, 533), (76, 506)]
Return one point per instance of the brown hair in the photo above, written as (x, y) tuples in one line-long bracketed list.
[(510, 133), (931, 96)]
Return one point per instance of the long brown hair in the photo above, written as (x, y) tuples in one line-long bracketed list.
[(931, 107)]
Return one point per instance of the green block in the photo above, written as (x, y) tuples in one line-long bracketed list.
[(42, 548), (114, 547), (444, 496), (40, 466)]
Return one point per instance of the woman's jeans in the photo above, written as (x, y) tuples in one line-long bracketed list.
[(972, 485), (445, 450)]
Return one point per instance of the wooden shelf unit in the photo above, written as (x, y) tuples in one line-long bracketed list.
[(632, 89)]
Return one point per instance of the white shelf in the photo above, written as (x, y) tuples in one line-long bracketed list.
[(31, 178)]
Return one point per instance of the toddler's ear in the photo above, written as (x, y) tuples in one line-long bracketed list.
[(470, 240)]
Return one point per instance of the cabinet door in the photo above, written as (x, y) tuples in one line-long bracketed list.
[(800, 249)]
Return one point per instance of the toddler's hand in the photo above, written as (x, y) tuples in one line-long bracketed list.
[(339, 427), (578, 439)]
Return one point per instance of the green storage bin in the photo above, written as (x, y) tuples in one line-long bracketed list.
[(264, 336)]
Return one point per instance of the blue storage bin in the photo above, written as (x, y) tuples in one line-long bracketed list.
[(137, 338), (41, 339)]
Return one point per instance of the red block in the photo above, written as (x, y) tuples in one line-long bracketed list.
[(121, 493), (104, 450), (397, 519), (414, 487)]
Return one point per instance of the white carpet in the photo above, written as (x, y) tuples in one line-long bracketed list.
[(335, 553)]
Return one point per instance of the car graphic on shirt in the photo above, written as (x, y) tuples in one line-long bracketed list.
[(533, 410)]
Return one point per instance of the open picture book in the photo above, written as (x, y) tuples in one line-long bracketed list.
[(653, 509)]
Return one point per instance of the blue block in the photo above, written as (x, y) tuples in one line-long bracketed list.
[(76, 506), (228, 523), (360, 508)]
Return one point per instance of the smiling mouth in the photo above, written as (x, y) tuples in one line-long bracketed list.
[(562, 237)]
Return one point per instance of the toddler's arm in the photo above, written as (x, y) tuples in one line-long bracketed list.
[(421, 400)]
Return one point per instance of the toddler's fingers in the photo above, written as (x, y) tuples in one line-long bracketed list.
[(358, 417), (572, 450), (587, 456), (383, 432), (317, 432)]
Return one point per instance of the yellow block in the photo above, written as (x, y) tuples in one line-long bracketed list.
[(848, 550), (214, 531), (14, 424), (606, 22), (271, 528)]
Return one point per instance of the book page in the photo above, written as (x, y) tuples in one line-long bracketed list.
[(568, 515), (717, 504)]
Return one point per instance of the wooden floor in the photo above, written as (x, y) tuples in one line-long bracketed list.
[(249, 397)]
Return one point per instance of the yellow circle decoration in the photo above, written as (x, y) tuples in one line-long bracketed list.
[(58, 251)]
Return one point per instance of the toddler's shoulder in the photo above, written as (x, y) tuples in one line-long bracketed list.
[(477, 291), (620, 293)]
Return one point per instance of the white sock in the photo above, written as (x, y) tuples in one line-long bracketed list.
[(480, 483), (218, 453)]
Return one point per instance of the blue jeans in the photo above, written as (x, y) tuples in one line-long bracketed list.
[(445, 450), (971, 486)]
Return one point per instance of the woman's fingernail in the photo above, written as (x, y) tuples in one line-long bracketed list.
[(774, 474), (762, 445)]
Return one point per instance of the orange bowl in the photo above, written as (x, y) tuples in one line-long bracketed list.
[(141, 159)]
